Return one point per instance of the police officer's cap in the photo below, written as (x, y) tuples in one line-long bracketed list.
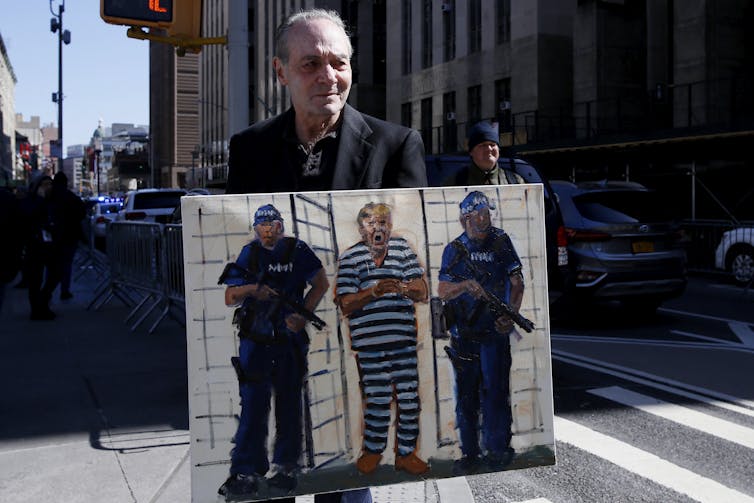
[(267, 213), (475, 200)]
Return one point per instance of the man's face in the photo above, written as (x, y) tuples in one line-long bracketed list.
[(375, 230), (269, 233), (318, 71), (485, 155), (477, 223)]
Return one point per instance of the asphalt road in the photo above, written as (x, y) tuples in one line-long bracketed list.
[(653, 409)]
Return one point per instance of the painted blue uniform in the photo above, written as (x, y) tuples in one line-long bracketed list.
[(482, 371), (383, 334), (274, 359)]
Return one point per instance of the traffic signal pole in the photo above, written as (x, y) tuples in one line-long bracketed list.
[(61, 8), (64, 36)]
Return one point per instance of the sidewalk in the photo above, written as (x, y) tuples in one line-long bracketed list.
[(94, 412), (90, 410)]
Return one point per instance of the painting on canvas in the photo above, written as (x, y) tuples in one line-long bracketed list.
[(354, 339)]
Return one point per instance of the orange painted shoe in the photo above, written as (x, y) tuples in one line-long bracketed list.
[(368, 462), (411, 464)]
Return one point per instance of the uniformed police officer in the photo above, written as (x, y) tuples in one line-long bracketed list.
[(272, 351), (482, 259)]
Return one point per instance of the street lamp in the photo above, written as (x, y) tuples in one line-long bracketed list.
[(64, 36), (97, 152)]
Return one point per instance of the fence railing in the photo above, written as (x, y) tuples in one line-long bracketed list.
[(145, 271), (724, 104), (703, 237)]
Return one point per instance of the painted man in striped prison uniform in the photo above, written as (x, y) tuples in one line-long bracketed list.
[(379, 280)]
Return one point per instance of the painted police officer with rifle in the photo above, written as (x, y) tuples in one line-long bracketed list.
[(268, 280), (482, 287)]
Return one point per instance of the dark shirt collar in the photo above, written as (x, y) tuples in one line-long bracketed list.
[(289, 130)]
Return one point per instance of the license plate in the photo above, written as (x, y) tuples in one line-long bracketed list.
[(642, 246)]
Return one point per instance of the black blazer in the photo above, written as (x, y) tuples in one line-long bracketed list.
[(372, 154)]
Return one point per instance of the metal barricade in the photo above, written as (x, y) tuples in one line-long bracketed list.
[(172, 275), (134, 251), (146, 271), (88, 259), (702, 238)]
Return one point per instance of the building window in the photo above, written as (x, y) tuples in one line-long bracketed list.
[(406, 114), (475, 25), (450, 129), (475, 104), (449, 29), (503, 21), (427, 34), (426, 122), (503, 103), (406, 37)]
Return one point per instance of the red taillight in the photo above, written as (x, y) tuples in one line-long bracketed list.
[(562, 237), (102, 220), (136, 215), (586, 236)]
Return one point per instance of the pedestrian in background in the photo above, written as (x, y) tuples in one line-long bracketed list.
[(41, 269), (484, 151), (10, 231), (68, 211), (321, 143), (21, 192)]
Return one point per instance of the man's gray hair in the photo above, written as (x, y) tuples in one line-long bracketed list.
[(281, 34)]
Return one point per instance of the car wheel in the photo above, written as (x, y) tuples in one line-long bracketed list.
[(740, 263)]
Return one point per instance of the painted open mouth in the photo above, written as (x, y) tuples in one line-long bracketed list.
[(379, 238)]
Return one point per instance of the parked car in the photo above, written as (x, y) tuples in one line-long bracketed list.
[(735, 254), (621, 244), (103, 211), (443, 167), (150, 205)]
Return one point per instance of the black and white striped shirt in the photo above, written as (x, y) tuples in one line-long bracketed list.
[(388, 322)]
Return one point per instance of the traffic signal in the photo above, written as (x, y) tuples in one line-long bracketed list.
[(181, 18)]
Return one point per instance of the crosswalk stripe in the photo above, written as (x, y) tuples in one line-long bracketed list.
[(646, 464), (682, 415), (743, 331), (698, 315), (454, 490), (696, 393)]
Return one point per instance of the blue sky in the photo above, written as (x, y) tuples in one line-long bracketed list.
[(105, 73)]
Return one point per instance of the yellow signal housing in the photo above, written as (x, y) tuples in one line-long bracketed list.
[(181, 18)]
